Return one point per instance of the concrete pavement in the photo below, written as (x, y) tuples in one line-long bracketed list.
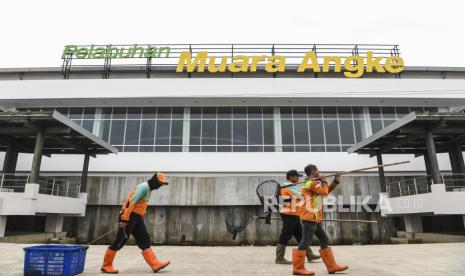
[(379, 260)]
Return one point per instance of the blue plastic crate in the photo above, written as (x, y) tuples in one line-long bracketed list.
[(63, 260)]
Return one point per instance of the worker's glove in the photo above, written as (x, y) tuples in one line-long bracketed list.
[(337, 178)]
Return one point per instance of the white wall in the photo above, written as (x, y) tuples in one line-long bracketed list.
[(31, 202), (438, 202), (233, 91), (212, 162)]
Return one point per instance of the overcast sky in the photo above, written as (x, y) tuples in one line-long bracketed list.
[(33, 33)]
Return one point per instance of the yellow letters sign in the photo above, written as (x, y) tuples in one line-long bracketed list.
[(353, 66)]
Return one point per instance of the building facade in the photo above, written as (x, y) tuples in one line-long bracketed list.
[(218, 135)]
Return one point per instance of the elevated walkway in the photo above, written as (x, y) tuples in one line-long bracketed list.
[(43, 133)]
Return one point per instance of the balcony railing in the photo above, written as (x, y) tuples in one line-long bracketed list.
[(57, 186), (454, 182), (411, 186)]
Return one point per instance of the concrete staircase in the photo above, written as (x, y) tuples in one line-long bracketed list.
[(405, 238), (33, 238), (408, 238)]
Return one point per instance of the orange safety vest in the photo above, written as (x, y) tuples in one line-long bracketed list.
[(128, 207), (312, 209), (293, 207)]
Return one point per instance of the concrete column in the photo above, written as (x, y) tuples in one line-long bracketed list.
[(456, 159), (413, 224), (11, 158), (382, 179), (37, 158), (433, 160), (53, 223), (2, 226), (85, 170)]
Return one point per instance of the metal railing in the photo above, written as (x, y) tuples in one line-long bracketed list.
[(293, 54), (57, 186), (410, 186), (455, 182)]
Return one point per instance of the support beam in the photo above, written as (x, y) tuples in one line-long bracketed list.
[(382, 179), (399, 142), (11, 158), (427, 164), (28, 130), (3, 226), (70, 143), (456, 159), (53, 223), (420, 130), (85, 170), (432, 157), (413, 224), (37, 158)]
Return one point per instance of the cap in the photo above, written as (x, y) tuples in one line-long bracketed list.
[(162, 178), (293, 173)]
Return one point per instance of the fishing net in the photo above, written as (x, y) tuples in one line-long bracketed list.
[(268, 193), (236, 222)]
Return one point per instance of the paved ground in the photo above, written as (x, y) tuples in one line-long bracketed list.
[(415, 259)]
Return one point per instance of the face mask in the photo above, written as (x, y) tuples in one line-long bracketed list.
[(154, 184)]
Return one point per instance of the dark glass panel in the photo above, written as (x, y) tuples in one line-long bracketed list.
[(149, 112), (347, 132), (117, 132), (134, 112), (147, 135), (268, 132), (301, 132), (331, 132), (209, 113), (316, 132), (239, 112), (300, 112), (286, 112), (344, 112), (330, 112), (240, 132), (164, 113), (119, 113), (132, 132), (254, 112), (162, 134), (224, 132), (208, 132), (176, 132), (255, 132), (287, 132), (314, 112), (195, 128)]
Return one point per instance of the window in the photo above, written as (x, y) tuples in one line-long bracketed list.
[(231, 129), (235, 129)]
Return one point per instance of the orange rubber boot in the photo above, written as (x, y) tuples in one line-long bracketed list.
[(298, 263), (107, 266), (331, 265), (153, 261)]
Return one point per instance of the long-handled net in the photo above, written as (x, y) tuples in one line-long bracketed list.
[(268, 193)]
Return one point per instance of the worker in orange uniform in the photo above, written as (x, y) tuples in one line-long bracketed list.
[(131, 223), (290, 195), (311, 214)]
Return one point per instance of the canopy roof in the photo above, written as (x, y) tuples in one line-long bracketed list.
[(407, 135), (62, 136)]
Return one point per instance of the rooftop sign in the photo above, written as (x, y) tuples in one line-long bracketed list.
[(353, 60)]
